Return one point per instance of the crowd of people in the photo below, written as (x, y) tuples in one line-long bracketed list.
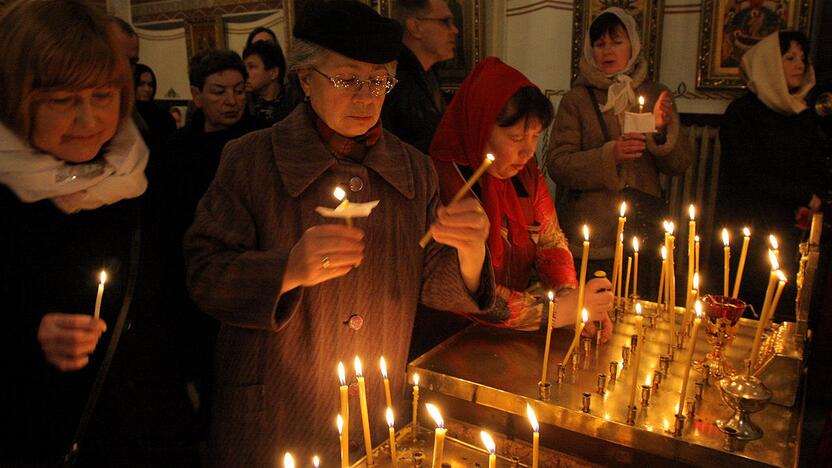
[(229, 300)]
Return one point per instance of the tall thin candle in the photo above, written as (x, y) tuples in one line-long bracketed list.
[(491, 447), (639, 326), (659, 301), (773, 307), (576, 339), (635, 267), (696, 268), (689, 358), (761, 325), (383, 365), (345, 404), (365, 420), (617, 286), (549, 326), (392, 428), (582, 282), (616, 267), (775, 246), (345, 448), (670, 284), (535, 435), (439, 436), (746, 233), (102, 278), (691, 249), (414, 428), (288, 460), (726, 242), (627, 280)]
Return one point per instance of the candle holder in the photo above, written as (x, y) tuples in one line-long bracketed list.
[(722, 315), (587, 345), (680, 340), (561, 373), (657, 379), (575, 361), (730, 443), (649, 321), (544, 390), (679, 427), (671, 352), (613, 371), (631, 414), (690, 408), (664, 365), (418, 459), (586, 398), (700, 391), (625, 355), (645, 395), (746, 395), (601, 387), (633, 342), (706, 374)]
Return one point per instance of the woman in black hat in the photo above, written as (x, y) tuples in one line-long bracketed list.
[(284, 281)]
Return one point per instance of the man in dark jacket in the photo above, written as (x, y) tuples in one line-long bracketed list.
[(413, 109)]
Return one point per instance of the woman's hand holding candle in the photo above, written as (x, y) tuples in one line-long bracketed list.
[(67, 340), (464, 226), (324, 252)]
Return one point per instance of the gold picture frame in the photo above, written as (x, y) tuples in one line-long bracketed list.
[(730, 27), (204, 34), (648, 15)]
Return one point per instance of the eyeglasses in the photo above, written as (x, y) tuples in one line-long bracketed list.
[(448, 22), (379, 85)]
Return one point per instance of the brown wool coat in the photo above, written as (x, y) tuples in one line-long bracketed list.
[(580, 158), (276, 386)]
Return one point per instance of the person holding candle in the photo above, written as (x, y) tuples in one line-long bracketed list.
[(284, 282), (77, 201), (772, 163), (528, 249), (595, 164)]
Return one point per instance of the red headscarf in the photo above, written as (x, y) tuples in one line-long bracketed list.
[(461, 139)]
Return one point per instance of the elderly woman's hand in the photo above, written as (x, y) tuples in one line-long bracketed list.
[(629, 146), (324, 252), (598, 303), (464, 226), (662, 110), (67, 340)]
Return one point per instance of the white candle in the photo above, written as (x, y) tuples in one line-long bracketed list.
[(391, 427), (691, 248), (341, 196), (689, 358), (415, 419), (439, 436), (383, 365), (365, 420), (635, 267), (670, 283), (491, 447), (726, 260), (745, 240), (535, 436), (102, 278), (773, 307), (640, 104)]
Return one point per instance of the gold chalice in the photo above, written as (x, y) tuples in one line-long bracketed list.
[(722, 316)]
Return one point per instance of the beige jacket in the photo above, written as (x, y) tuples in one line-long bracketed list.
[(581, 160)]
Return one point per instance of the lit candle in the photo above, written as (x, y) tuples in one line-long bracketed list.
[(616, 267), (288, 461), (391, 427), (689, 358), (345, 404), (341, 196), (535, 435), (491, 447), (549, 327), (627, 280), (439, 437), (345, 449), (670, 284), (780, 285), (102, 278), (691, 249), (635, 267), (746, 233), (584, 318), (383, 366), (489, 158), (316, 461), (365, 420), (696, 266), (775, 246), (639, 326), (726, 260), (621, 267), (662, 276), (582, 283), (415, 419), (640, 104), (772, 279)]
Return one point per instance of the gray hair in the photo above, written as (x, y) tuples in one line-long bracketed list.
[(306, 54)]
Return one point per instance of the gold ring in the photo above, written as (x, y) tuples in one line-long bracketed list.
[(325, 263)]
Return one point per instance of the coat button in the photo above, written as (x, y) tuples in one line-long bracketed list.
[(356, 184), (356, 322)]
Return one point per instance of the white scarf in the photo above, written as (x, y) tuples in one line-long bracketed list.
[(763, 68), (34, 175), (620, 94)]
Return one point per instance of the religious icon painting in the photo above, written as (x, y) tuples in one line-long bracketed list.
[(731, 27), (648, 16)]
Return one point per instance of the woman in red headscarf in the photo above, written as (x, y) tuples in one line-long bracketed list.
[(498, 110)]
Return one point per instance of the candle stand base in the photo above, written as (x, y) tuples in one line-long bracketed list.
[(544, 390), (632, 411), (586, 399)]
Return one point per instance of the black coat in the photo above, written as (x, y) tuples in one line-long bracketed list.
[(771, 166), (49, 262)]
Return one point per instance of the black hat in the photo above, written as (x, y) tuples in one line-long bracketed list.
[(350, 28)]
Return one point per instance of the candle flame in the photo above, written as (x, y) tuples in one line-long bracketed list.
[(635, 244), (532, 418), (357, 364), (746, 232), (696, 238), (698, 307), (692, 212), (676, 411), (489, 157), (551, 295), (623, 208), (488, 442), (775, 265), (638, 308), (416, 379), (434, 413), (102, 277), (316, 461), (339, 423), (648, 380), (696, 281), (725, 239), (641, 100), (781, 275), (288, 461), (584, 315), (664, 253), (339, 193), (383, 366), (666, 425), (342, 374), (668, 227), (607, 416), (586, 233), (773, 241), (389, 415)]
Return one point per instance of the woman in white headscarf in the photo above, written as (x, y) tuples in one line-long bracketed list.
[(772, 155), (593, 161)]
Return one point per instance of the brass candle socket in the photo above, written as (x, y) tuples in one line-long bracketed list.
[(730, 443), (657, 379), (587, 345), (680, 340), (561, 373), (664, 364), (690, 408), (671, 352), (575, 361), (544, 390), (700, 391), (679, 426), (418, 459), (633, 343), (625, 355), (631, 414), (645, 395), (601, 388), (613, 371), (586, 398)]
